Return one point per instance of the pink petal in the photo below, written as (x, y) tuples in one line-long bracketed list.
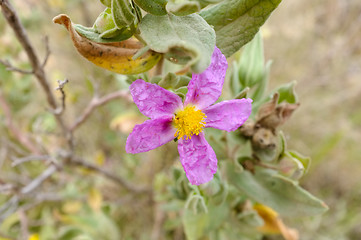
[(228, 115), (150, 135), (198, 159), (205, 88), (154, 101)]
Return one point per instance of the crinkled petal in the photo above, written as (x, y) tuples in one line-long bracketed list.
[(198, 159), (205, 88), (228, 115), (154, 101), (150, 135)]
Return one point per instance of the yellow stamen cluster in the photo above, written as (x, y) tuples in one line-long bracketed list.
[(189, 121)]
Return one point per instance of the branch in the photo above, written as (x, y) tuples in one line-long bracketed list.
[(24, 223), (39, 180), (10, 67), (37, 68), (18, 161), (5, 188), (47, 52), (60, 87), (12, 204), (21, 35), (127, 185), (9, 207), (96, 102)]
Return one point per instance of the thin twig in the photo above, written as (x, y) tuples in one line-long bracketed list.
[(18, 161), (96, 102), (5, 188), (47, 52), (39, 180), (14, 21), (40, 198), (60, 88), (9, 207), (127, 185), (10, 67), (159, 67), (183, 71), (12, 204), (23, 139), (23, 224)]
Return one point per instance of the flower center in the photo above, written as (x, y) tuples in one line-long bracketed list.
[(189, 121)]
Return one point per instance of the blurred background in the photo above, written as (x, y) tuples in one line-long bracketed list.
[(316, 43)]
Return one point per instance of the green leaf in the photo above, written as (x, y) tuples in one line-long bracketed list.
[(182, 92), (242, 94), (9, 221), (183, 8), (237, 21), (280, 193), (184, 40), (306, 161), (260, 91), (287, 93), (48, 230), (106, 3), (111, 33), (205, 3), (291, 167), (217, 215), (122, 12), (196, 202), (92, 35), (215, 190), (96, 225), (250, 70), (155, 7), (194, 224), (250, 218), (214, 138), (251, 62), (174, 81), (68, 232), (104, 22), (234, 82)]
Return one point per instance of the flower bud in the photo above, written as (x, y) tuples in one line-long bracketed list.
[(104, 22)]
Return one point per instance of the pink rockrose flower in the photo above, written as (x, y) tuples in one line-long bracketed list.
[(170, 118)]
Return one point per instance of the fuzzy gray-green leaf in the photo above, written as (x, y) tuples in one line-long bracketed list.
[(287, 93), (184, 39), (122, 11), (194, 224), (280, 193), (155, 7), (183, 8), (237, 21), (93, 35)]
